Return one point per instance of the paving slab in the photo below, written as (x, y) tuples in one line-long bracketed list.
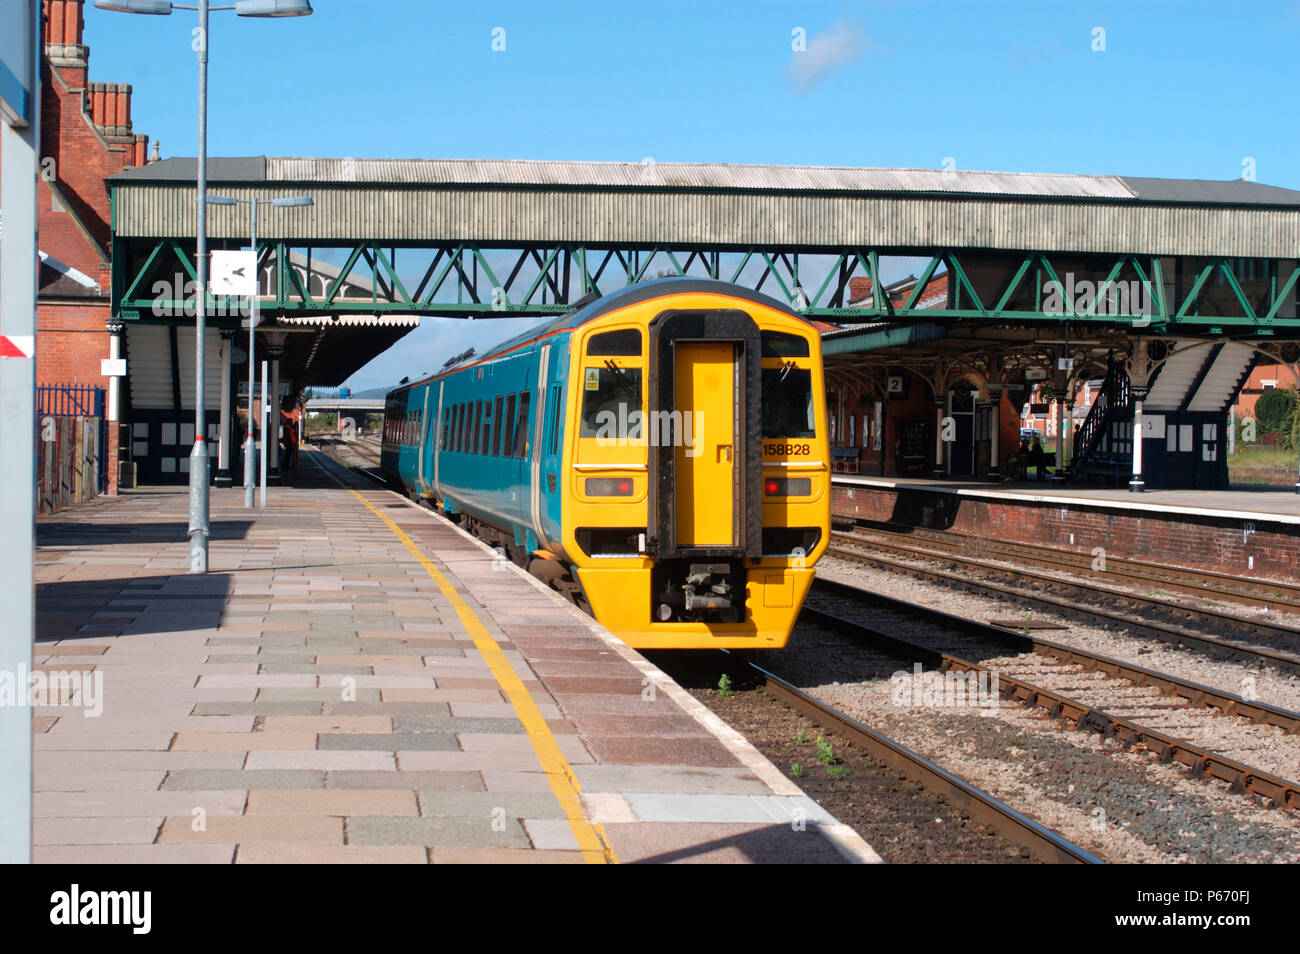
[(326, 695)]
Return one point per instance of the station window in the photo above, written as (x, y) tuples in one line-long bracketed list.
[(605, 391), (787, 402), (521, 425), (496, 438), (625, 343)]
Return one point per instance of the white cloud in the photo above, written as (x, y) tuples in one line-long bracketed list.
[(839, 46)]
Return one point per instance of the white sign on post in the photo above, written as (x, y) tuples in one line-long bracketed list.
[(234, 273)]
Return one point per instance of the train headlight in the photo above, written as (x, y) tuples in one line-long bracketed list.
[(787, 486), (609, 486)]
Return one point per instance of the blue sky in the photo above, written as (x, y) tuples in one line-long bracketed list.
[(1181, 89)]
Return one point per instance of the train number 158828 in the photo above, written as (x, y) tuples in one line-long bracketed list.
[(787, 450)]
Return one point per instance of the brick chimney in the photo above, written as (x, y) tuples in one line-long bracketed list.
[(109, 108), (64, 24), (859, 289)]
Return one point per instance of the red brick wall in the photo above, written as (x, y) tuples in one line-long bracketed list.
[(1212, 543), (86, 136)]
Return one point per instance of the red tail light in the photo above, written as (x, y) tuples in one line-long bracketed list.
[(609, 486), (787, 486)]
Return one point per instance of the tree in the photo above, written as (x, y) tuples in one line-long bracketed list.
[(1274, 411)]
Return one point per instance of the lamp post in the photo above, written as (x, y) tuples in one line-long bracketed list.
[(199, 463), (250, 480)]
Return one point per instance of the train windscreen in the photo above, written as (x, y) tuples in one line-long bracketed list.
[(788, 402)]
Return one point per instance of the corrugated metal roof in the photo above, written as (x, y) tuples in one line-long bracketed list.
[(648, 173), (606, 218), (713, 176)]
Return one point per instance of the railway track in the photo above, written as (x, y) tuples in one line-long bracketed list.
[(1242, 638), (1044, 844), (1222, 587), (1111, 700)]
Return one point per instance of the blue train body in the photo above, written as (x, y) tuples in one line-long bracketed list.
[(496, 489)]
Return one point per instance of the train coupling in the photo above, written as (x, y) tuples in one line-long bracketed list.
[(708, 586)]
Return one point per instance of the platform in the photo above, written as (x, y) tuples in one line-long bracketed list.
[(356, 680), (1242, 502), (1250, 530)]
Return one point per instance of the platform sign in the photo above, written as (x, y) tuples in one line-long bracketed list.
[(19, 109), (234, 273)]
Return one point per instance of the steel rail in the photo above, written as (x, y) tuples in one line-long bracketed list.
[(1166, 632), (1201, 761), (1016, 828), (1275, 594)]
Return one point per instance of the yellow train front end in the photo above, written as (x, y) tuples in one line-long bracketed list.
[(697, 492)]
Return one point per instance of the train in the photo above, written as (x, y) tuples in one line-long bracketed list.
[(658, 454)]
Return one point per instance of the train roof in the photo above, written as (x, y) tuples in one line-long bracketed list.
[(631, 295)]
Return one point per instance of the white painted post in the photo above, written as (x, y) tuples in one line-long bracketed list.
[(19, 144), (223, 432)]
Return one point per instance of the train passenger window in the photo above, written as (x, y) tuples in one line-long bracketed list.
[(508, 426), (496, 438), (609, 396), (477, 431), (464, 427), (521, 425), (787, 402), (555, 418), (626, 343), (487, 427), (778, 344), (446, 429), (460, 429)]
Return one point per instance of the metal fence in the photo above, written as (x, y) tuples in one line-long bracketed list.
[(71, 445)]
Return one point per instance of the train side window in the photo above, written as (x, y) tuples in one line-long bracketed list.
[(606, 392), (521, 425), (778, 344), (460, 428), (555, 418), (464, 427), (622, 343), (446, 429), (496, 438), (508, 425), (487, 427), (476, 431)]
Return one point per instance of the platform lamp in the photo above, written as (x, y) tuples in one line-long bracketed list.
[(295, 201), (199, 463)]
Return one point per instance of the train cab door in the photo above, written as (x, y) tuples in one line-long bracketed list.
[(706, 382), (705, 392)]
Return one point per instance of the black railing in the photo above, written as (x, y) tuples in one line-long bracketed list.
[(1092, 444), (70, 401)]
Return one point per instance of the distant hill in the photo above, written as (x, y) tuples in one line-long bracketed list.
[(373, 392)]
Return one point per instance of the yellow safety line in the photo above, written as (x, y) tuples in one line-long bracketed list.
[(592, 841)]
